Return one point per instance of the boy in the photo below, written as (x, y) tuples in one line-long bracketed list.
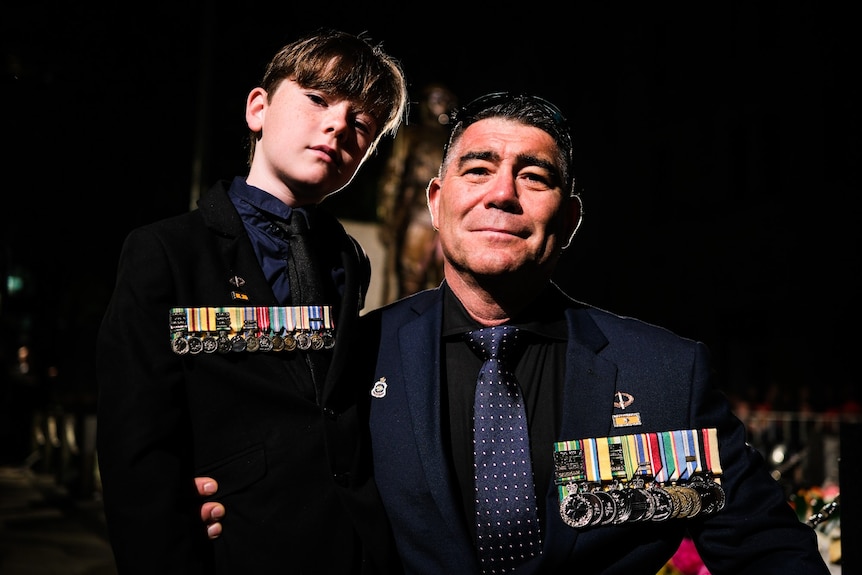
[(210, 362)]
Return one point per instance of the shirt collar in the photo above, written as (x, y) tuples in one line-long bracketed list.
[(268, 205), (544, 316)]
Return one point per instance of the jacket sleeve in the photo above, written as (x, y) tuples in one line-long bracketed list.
[(144, 444), (757, 531)]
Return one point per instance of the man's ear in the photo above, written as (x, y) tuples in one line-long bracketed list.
[(254, 109), (574, 218), (432, 196)]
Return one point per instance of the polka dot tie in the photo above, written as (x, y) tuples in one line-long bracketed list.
[(507, 519)]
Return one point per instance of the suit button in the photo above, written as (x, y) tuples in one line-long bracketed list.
[(330, 413)]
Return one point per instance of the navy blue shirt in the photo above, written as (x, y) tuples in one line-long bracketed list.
[(260, 211)]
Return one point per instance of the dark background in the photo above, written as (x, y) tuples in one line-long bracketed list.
[(718, 153)]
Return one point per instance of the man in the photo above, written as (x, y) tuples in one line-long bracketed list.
[(631, 448)]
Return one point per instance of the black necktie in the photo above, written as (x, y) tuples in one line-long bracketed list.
[(306, 287), (507, 518)]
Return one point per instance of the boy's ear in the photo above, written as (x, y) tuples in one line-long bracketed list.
[(255, 106)]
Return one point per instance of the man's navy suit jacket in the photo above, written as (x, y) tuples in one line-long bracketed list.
[(669, 378)]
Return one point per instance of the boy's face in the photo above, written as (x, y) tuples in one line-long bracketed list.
[(311, 143)]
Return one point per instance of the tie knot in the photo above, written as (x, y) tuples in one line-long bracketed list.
[(297, 224), (493, 342)]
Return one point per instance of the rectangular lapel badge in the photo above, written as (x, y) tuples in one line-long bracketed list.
[(626, 419)]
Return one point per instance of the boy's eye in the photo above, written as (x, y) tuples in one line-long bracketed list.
[(317, 99), (363, 125)]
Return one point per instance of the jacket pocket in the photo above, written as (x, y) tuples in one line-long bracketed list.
[(237, 471)]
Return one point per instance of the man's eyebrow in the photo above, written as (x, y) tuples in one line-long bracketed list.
[(523, 160), (531, 160), (488, 156)]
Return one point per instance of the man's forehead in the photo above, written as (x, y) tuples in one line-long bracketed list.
[(503, 135)]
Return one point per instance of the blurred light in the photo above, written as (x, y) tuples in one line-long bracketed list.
[(14, 284), (779, 452)]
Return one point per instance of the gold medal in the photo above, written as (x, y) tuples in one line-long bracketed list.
[(277, 343), (252, 343)]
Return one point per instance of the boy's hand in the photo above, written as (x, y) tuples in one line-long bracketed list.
[(211, 511)]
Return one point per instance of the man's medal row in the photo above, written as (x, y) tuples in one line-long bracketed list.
[(639, 477), (236, 329)]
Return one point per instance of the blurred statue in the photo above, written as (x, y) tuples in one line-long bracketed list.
[(412, 249)]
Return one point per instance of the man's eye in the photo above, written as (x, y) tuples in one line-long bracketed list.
[(476, 170), (537, 178)]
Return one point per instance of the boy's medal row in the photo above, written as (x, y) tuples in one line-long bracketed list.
[(236, 329), (639, 477)]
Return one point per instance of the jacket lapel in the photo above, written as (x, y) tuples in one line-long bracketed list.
[(244, 282), (587, 411), (420, 354)]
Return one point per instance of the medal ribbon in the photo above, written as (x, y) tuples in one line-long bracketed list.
[(568, 465), (665, 456), (690, 453), (262, 318), (677, 440), (236, 317), (193, 317), (657, 458), (222, 321), (644, 463), (631, 455), (179, 322), (714, 460), (669, 455), (210, 319), (238, 320), (617, 460), (591, 459)]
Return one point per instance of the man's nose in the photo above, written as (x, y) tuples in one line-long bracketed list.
[(503, 190)]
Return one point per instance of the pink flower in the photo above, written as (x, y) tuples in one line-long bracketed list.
[(687, 560)]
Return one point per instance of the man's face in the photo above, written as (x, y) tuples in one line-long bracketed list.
[(500, 206)]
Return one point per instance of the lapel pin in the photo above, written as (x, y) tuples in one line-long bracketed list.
[(379, 389), (623, 400), (237, 281)]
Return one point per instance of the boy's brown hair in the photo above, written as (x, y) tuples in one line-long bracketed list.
[(345, 65)]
